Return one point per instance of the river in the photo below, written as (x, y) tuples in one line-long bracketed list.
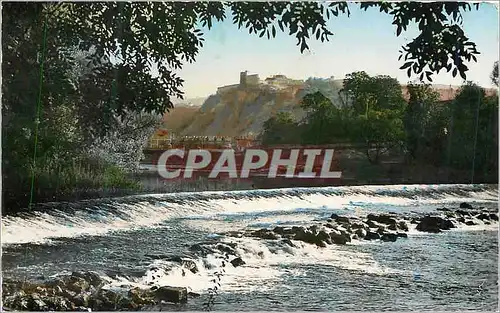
[(128, 239)]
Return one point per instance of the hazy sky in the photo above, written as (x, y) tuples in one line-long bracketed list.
[(365, 41)]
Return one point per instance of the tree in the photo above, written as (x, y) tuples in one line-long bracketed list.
[(379, 131), (432, 147), (494, 74), (359, 91), (280, 129), (366, 93), (473, 145), (417, 120), (324, 122), (376, 106), (49, 130), (123, 146)]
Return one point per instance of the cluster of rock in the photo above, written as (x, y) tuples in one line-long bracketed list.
[(450, 218), (339, 230), (384, 227), (88, 291), (83, 292)]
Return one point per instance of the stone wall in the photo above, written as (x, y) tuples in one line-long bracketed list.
[(249, 80), (152, 182), (281, 82), (224, 89), (253, 80)]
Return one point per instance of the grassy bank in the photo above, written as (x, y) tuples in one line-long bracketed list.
[(71, 183)]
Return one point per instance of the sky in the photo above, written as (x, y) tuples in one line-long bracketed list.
[(364, 41)]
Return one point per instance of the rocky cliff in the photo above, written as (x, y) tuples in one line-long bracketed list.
[(243, 111)]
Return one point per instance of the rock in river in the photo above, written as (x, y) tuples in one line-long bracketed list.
[(339, 237), (372, 235), (171, 294), (465, 205), (83, 291), (392, 237), (434, 224), (237, 262)]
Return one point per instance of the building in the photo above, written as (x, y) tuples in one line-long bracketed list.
[(161, 139), (245, 81), (249, 80), (281, 81), (227, 88)]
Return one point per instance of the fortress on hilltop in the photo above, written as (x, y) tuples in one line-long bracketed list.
[(274, 82)]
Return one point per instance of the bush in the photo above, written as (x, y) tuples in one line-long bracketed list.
[(72, 180), (114, 177)]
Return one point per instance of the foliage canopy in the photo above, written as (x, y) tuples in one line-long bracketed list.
[(141, 36)]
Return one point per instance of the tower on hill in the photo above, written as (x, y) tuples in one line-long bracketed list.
[(243, 78), (249, 80)]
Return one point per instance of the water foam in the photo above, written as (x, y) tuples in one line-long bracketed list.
[(266, 265), (151, 210)]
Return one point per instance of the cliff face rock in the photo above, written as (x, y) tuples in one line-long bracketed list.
[(243, 111), (179, 117)]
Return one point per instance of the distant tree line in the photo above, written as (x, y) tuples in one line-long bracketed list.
[(372, 113)]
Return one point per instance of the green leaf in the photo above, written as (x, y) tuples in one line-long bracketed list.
[(280, 24), (406, 65), (462, 74), (303, 46), (398, 31)]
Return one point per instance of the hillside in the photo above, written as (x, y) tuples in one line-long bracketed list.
[(240, 111), (179, 116)]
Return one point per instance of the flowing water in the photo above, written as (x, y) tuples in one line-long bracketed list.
[(129, 239)]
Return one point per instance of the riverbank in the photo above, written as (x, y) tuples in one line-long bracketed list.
[(152, 183), (81, 291), (356, 171), (74, 182)]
